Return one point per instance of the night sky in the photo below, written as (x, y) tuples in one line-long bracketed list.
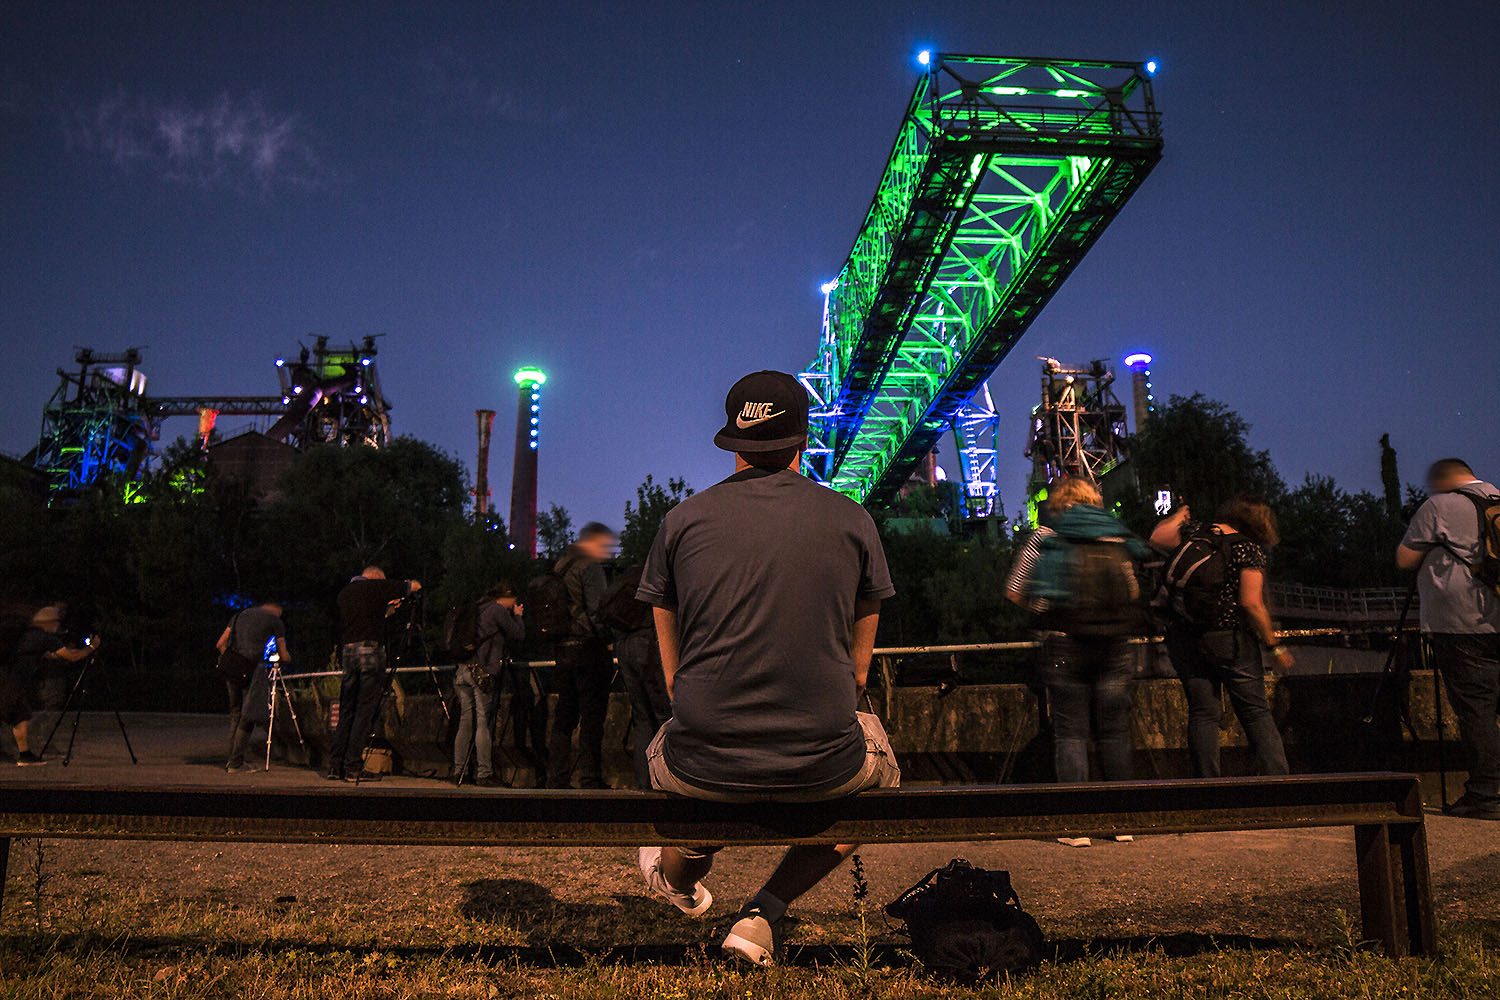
[(642, 199)]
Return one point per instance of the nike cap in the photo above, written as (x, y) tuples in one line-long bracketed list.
[(767, 411)]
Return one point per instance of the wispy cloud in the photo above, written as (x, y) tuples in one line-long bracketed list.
[(227, 142)]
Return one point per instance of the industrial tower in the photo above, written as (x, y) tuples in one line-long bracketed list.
[(523, 482), (100, 424), (1003, 174), (1143, 396), (1078, 430), (486, 421)]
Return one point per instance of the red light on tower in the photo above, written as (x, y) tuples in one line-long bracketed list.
[(523, 477)]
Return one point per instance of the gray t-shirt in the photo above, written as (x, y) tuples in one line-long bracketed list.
[(1446, 528), (764, 570), (253, 629)]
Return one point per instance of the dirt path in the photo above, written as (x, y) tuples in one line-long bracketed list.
[(1272, 884)]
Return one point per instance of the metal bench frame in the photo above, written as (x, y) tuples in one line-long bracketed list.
[(1385, 811)]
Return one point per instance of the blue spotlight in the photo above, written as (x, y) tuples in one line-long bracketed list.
[(1151, 67), (925, 57)]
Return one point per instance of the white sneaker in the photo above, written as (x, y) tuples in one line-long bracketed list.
[(1075, 841), (694, 904), (752, 939)]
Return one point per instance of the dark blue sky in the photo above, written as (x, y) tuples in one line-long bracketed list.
[(643, 198)]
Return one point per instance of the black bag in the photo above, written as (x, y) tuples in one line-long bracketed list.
[(1193, 580), (1103, 596), (619, 608), (235, 667), (461, 631), (967, 925), (1487, 570), (550, 606)]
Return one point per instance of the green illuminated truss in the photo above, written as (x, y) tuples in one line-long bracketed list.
[(1003, 174)]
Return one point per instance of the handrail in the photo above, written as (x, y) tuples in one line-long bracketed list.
[(972, 647)]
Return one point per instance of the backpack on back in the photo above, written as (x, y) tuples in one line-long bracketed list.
[(461, 631), (1090, 587), (1487, 569), (1193, 579), (549, 606), (619, 608), (1104, 598)]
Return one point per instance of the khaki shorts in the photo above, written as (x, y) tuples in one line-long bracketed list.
[(879, 771)]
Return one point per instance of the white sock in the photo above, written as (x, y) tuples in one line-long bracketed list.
[(769, 906)]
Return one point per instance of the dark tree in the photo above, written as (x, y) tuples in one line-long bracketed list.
[(643, 518), (1390, 480), (554, 531), (1200, 449)]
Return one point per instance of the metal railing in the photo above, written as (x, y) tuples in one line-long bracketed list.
[(886, 652), (1372, 604)]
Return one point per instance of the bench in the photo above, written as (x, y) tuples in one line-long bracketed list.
[(1385, 810)]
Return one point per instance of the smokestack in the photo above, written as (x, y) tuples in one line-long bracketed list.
[(523, 476), (486, 421), (1144, 396)]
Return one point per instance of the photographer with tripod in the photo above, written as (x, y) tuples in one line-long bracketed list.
[(248, 634), (1453, 542), (478, 684), (37, 682), (363, 606)]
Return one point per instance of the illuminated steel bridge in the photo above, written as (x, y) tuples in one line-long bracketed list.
[(1003, 174)]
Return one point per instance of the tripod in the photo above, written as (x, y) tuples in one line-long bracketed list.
[(75, 703), (411, 640), (275, 684)]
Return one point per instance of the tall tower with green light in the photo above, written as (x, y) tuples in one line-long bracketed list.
[(523, 477)]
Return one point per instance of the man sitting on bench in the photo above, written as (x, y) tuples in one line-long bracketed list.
[(766, 590)]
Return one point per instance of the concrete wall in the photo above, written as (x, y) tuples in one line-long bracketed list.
[(989, 733)]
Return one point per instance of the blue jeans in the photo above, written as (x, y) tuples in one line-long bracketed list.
[(361, 686), (1470, 667), (1088, 681), (1208, 665), (476, 721)]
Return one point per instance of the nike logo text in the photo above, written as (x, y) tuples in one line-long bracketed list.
[(755, 413)]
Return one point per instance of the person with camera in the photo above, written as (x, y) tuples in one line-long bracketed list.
[(477, 684), (766, 591), (1453, 543), (584, 669), (363, 606), (248, 636), (1220, 629), (40, 676)]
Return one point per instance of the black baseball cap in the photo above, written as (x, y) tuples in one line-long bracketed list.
[(767, 411)]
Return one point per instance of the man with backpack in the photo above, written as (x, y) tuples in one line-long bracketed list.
[(1078, 575), (639, 656), (1453, 542), (584, 668)]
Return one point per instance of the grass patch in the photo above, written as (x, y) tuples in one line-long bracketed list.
[(191, 965)]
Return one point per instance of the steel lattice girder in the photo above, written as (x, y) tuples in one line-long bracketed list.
[(1003, 174)]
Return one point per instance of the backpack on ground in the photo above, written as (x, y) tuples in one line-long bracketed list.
[(549, 606), (619, 608), (1193, 580), (1487, 569), (461, 631), (967, 924)]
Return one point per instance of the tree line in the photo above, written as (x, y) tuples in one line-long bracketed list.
[(159, 575)]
